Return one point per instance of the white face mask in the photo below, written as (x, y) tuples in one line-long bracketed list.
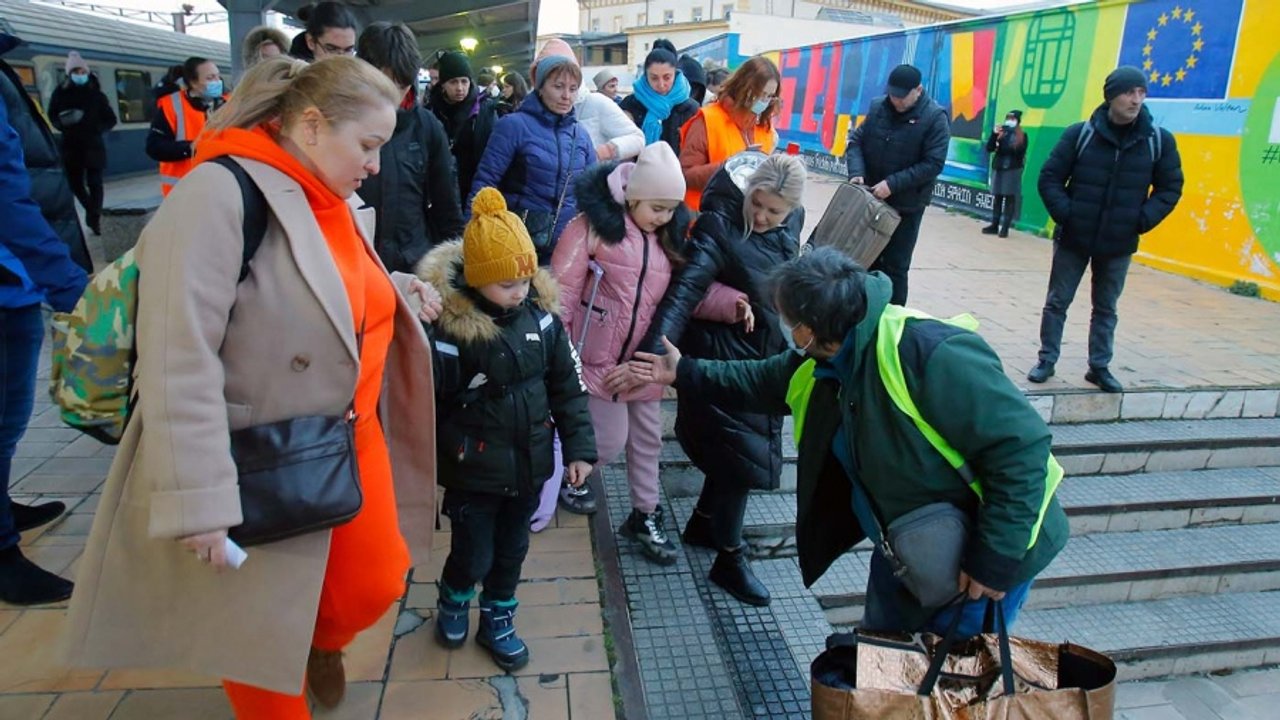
[(788, 332)]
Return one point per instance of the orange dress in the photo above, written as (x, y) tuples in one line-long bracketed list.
[(368, 557)]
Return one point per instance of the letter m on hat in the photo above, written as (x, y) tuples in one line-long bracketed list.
[(525, 265)]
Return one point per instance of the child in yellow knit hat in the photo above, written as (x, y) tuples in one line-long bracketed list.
[(504, 374)]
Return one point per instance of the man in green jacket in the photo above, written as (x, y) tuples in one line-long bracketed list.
[(970, 512)]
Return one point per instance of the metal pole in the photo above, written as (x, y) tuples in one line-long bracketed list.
[(242, 16)]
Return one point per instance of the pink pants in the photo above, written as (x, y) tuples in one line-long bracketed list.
[(637, 427)]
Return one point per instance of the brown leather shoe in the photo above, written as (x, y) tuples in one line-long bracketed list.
[(326, 677)]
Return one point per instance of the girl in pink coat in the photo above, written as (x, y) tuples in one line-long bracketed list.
[(614, 262)]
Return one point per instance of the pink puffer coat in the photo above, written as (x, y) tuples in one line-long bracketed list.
[(636, 272)]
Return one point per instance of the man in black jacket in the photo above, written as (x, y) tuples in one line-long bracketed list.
[(468, 117), (899, 150), (49, 187), (414, 194), (1108, 180)]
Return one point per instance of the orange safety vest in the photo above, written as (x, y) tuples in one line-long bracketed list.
[(724, 139), (187, 122)]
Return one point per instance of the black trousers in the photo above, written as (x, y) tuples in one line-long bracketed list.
[(1002, 209), (895, 261), (490, 538), (86, 184)]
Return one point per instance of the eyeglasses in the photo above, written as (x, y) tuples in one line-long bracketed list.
[(335, 50)]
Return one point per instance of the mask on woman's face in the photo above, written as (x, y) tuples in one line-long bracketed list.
[(1011, 124), (788, 333), (213, 90), (80, 79), (759, 106)]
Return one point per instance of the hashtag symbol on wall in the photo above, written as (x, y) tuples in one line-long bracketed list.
[(1271, 155)]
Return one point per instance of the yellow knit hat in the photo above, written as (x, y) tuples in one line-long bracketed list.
[(495, 245)]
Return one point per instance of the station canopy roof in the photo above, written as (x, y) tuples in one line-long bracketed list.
[(505, 30)]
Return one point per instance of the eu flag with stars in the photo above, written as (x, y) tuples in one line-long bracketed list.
[(1185, 47)]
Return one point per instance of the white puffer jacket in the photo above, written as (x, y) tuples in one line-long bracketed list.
[(606, 123)]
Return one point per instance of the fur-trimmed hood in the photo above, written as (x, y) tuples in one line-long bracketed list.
[(607, 212), (462, 316)]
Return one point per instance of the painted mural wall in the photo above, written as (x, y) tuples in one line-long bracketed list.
[(1214, 81)]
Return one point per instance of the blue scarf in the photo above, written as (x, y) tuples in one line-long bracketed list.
[(659, 106)]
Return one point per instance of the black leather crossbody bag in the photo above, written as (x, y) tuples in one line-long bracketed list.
[(297, 476)]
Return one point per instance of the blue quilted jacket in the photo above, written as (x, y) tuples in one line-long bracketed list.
[(533, 157)]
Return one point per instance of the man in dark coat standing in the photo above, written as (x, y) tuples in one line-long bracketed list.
[(415, 195), (49, 188), (1108, 180), (899, 150)]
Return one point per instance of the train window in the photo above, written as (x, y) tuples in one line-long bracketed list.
[(133, 95), (26, 74)]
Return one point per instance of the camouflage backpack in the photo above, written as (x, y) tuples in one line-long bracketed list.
[(93, 345)]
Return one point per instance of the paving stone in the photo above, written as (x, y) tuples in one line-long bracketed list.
[(590, 696), (1178, 460), (360, 703), (201, 704), (1229, 406), (1142, 405), (30, 663), (81, 706), (1260, 403), (1201, 404), (471, 699), (1043, 405), (1175, 405), (1086, 408), (154, 679), (25, 706)]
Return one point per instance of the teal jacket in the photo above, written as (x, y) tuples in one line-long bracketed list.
[(960, 388)]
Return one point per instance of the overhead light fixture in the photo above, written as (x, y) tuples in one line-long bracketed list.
[(497, 69), (468, 44)]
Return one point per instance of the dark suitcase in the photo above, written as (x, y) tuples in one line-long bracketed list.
[(856, 223)]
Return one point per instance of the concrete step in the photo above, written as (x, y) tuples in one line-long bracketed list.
[(1112, 567), (1067, 406), (1094, 503), (1175, 636), (1128, 447)]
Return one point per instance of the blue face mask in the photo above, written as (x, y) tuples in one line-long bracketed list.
[(80, 79), (213, 90), (788, 333), (759, 106)]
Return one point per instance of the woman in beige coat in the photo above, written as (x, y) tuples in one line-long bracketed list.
[(215, 356)]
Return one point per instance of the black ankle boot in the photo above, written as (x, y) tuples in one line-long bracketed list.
[(29, 517), (732, 572), (22, 582), (697, 532)]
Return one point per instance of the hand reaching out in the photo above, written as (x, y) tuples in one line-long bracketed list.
[(660, 369)]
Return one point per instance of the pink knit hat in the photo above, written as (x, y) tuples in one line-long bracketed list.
[(655, 175), (555, 52), (75, 61)]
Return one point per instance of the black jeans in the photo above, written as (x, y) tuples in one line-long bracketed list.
[(724, 500), (895, 260), (1064, 278), (90, 197), (21, 332), (1002, 209), (490, 540)]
